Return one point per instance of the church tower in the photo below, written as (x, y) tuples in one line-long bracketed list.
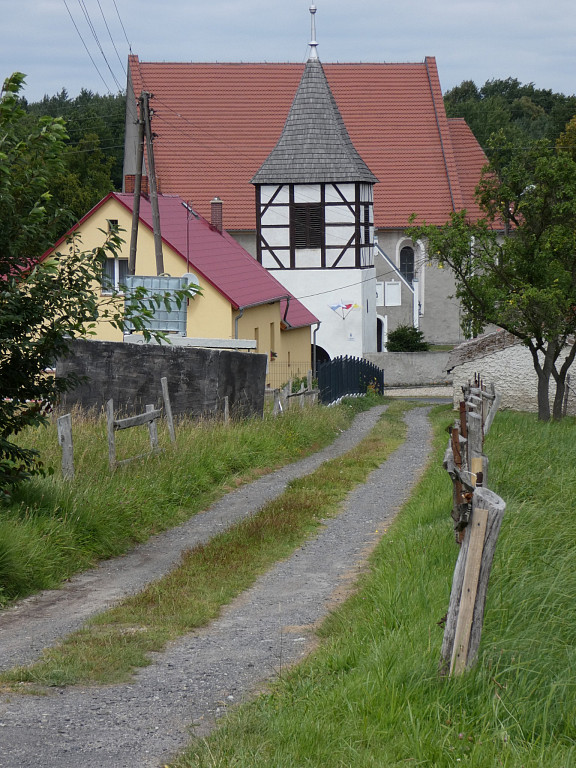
[(315, 219)]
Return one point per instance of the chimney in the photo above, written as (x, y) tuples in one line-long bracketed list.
[(216, 213), (130, 183)]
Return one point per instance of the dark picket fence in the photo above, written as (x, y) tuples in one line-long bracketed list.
[(348, 376)]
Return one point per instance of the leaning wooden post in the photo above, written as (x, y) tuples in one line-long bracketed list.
[(153, 430), (64, 424), (111, 436), (470, 583), (277, 403), (168, 408)]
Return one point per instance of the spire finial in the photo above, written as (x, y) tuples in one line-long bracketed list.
[(313, 43)]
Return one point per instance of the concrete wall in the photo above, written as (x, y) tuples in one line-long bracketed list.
[(198, 379), (412, 368)]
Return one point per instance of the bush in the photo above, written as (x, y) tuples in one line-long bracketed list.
[(406, 338)]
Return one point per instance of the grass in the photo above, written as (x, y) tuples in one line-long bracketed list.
[(211, 575), (371, 695), (55, 528)]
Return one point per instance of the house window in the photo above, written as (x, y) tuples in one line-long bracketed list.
[(407, 263), (308, 223), (114, 274)]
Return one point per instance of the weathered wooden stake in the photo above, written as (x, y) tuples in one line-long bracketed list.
[(226, 409), (477, 528), (64, 424), (462, 635), (111, 436), (277, 403), (168, 408), (153, 430)]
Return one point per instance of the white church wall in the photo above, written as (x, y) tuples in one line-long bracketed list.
[(338, 299)]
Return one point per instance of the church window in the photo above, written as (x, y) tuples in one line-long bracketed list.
[(407, 263)]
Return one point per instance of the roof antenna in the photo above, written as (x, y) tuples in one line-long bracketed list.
[(313, 43)]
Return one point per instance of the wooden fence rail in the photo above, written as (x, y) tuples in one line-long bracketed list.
[(477, 513)]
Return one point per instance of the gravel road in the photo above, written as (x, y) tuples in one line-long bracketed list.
[(141, 724)]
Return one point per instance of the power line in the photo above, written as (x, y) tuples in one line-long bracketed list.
[(122, 25), (84, 10), (111, 38), (86, 47)]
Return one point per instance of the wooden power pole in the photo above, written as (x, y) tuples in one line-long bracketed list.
[(137, 191), (145, 116)]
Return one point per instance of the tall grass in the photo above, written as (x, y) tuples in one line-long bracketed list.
[(54, 528), (372, 696), (111, 645)]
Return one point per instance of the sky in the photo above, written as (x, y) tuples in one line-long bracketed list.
[(75, 44)]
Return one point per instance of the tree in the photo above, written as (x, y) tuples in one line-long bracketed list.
[(43, 304), (516, 267), (523, 112)]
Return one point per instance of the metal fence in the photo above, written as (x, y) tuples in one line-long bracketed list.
[(348, 376), (280, 373)]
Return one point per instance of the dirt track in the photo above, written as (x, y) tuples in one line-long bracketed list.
[(271, 625)]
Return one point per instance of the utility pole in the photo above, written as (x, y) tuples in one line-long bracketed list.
[(137, 191), (145, 115)]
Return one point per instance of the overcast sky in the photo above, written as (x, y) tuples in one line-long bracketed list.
[(531, 40)]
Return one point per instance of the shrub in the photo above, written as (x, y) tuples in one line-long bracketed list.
[(406, 338)]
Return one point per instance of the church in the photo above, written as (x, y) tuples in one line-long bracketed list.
[(319, 168)]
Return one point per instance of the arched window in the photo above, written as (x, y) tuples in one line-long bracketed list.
[(407, 263)]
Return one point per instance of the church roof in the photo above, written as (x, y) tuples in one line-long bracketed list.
[(216, 124), (314, 145)]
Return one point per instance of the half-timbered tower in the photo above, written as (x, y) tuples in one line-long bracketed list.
[(315, 216)]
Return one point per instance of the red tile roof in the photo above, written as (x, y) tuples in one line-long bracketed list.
[(216, 124)]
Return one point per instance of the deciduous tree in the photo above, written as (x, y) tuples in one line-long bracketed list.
[(516, 267), (43, 304)]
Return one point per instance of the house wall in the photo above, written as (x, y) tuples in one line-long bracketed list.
[(210, 315)]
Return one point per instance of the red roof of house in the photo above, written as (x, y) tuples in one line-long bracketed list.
[(214, 256), (217, 123)]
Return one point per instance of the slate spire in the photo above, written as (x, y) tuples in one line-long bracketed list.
[(314, 146)]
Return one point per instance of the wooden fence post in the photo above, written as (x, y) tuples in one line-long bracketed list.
[(153, 431), (168, 408), (277, 403), (226, 409), (64, 424), (470, 583), (111, 436)]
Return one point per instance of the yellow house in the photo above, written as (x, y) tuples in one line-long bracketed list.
[(240, 304)]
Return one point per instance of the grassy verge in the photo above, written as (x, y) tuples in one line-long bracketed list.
[(114, 643), (371, 696), (55, 528)]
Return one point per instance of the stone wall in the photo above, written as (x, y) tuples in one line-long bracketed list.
[(198, 379), (501, 359), (412, 368)]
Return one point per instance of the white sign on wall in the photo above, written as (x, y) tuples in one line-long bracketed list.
[(393, 294)]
